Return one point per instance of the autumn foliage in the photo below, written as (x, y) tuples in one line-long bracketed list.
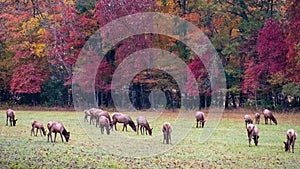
[(257, 42)]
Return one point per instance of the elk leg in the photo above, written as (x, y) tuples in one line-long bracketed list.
[(50, 135), (55, 137), (61, 137), (293, 143), (32, 130), (266, 120)]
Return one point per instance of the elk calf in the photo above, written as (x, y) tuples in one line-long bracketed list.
[(39, 126)]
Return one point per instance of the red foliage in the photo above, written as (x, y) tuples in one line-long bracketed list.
[(199, 73), (271, 56), (293, 40), (109, 10), (28, 78)]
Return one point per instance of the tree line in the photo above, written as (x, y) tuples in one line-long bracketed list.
[(257, 43)]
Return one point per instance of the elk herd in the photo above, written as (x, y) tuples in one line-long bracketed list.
[(252, 130), (107, 123)]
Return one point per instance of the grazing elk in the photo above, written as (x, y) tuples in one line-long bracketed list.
[(123, 118), (167, 130), (11, 115), (200, 118), (57, 127), (268, 115), (104, 122), (291, 137), (248, 120), (92, 113), (257, 118), (99, 113), (87, 114), (252, 131), (142, 123), (39, 126)]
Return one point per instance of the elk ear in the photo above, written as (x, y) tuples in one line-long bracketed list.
[(16, 120), (151, 129), (284, 142)]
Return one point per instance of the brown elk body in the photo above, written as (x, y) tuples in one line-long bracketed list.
[(104, 123), (252, 131), (10, 114), (200, 118), (39, 126), (268, 115), (56, 127), (142, 124), (291, 137), (257, 118), (167, 130), (123, 118), (99, 113), (248, 120)]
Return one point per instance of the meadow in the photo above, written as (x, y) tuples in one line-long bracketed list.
[(226, 147)]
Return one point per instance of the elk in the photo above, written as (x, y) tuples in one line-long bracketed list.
[(104, 123), (252, 131), (57, 127), (291, 137), (39, 126), (200, 118), (142, 123), (257, 118), (11, 115), (268, 115), (123, 118), (248, 120), (167, 130)]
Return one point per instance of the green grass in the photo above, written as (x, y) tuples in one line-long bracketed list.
[(227, 147)]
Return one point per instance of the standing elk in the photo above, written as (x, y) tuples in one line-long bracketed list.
[(39, 126), (268, 115), (11, 115), (248, 120), (252, 131), (291, 137), (257, 118), (142, 123), (57, 127), (167, 130), (123, 118), (200, 118), (104, 123)]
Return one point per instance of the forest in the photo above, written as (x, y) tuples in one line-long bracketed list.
[(257, 41)]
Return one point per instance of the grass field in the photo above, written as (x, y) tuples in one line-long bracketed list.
[(227, 147)]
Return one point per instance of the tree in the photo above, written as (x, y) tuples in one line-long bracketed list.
[(293, 39), (266, 73)]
